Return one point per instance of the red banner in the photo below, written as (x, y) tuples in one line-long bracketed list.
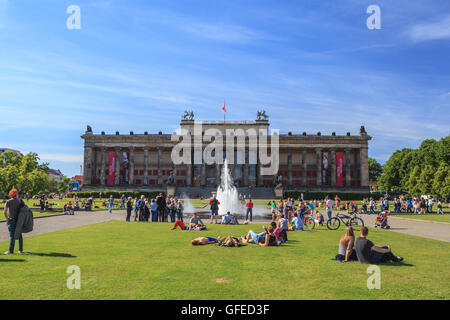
[(339, 167), (112, 168)]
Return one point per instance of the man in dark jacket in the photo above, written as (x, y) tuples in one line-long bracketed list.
[(161, 203), (12, 210)]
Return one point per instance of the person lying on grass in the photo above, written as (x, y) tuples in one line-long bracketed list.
[(367, 252), (346, 249), (195, 224), (266, 238), (229, 242), (204, 241)]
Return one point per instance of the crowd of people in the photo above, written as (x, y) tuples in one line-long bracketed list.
[(287, 216)]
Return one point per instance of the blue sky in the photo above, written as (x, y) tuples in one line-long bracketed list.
[(137, 65)]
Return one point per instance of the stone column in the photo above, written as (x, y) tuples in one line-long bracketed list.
[(246, 168), (364, 159), (289, 159), (348, 178), (117, 165), (203, 174), (103, 166), (145, 166), (332, 164), (131, 167), (160, 178), (189, 175), (87, 166), (304, 168), (319, 166)]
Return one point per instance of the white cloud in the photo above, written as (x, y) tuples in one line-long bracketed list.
[(66, 158), (437, 30)]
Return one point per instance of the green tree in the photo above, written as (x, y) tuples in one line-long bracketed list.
[(23, 173), (375, 169), (441, 181), (425, 181), (412, 183)]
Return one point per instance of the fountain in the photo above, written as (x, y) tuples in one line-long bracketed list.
[(227, 194)]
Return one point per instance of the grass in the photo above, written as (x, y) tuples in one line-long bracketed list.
[(426, 217), (149, 261)]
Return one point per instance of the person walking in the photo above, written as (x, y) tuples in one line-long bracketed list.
[(249, 206), (111, 203), (11, 212)]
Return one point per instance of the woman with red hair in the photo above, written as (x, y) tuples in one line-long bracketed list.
[(12, 209)]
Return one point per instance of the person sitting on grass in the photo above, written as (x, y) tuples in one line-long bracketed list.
[(319, 218), (346, 249), (283, 225), (297, 223), (228, 219), (367, 252), (195, 224)]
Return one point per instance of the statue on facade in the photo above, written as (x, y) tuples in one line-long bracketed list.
[(188, 115), (362, 131), (279, 182), (171, 179), (89, 129), (261, 115)]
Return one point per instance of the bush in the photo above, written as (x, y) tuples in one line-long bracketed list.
[(115, 194), (321, 195)]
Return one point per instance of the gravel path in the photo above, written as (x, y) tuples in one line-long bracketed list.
[(427, 229)]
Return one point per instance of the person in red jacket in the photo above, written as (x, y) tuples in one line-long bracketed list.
[(214, 207), (249, 206)]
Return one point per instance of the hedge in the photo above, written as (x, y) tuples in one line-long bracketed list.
[(115, 194), (321, 195)]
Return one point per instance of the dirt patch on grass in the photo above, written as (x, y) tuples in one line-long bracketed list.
[(221, 281)]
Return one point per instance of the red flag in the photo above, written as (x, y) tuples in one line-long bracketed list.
[(224, 110)]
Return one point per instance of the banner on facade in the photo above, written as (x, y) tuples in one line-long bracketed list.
[(112, 168), (125, 168), (339, 168), (325, 168)]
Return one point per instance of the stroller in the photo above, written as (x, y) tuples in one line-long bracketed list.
[(382, 221)]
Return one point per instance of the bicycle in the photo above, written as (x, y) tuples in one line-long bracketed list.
[(349, 220), (308, 221)]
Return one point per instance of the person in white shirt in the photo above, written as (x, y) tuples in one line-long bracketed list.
[(329, 206)]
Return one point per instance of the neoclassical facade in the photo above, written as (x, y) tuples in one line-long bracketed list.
[(306, 161)]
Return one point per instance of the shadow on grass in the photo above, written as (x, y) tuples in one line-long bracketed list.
[(396, 264), (53, 254), (17, 260)]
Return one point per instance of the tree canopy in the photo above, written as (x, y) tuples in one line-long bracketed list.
[(25, 173), (422, 171)]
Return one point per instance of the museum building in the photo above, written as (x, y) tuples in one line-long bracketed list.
[(307, 162)]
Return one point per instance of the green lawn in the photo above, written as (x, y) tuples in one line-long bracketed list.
[(149, 261), (426, 217)]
